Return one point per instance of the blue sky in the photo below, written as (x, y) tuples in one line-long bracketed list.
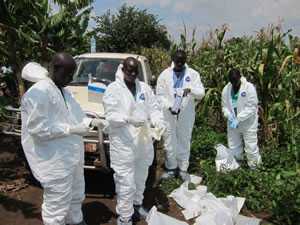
[(242, 16)]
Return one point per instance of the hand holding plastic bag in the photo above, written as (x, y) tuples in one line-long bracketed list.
[(175, 109)]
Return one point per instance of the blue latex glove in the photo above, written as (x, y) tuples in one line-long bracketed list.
[(231, 118), (234, 123)]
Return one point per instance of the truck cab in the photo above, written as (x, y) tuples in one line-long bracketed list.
[(100, 67)]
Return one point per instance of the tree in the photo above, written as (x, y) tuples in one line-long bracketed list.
[(129, 30), (30, 30)]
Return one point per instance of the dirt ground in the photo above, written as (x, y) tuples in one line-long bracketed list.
[(21, 196)]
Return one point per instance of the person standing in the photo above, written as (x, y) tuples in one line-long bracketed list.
[(52, 128), (179, 78), (131, 110), (240, 107)]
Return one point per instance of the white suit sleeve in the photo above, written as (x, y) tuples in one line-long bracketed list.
[(37, 120), (113, 111), (251, 105), (162, 93), (197, 89), (86, 121), (225, 110)]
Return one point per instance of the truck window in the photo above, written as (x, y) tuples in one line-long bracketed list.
[(100, 68)]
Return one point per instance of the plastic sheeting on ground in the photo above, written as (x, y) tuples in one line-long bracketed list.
[(224, 159), (156, 218), (207, 208)]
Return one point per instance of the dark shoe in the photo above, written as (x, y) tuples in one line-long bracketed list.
[(124, 221), (139, 213)]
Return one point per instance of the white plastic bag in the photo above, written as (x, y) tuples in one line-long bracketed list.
[(178, 100), (235, 204), (218, 217), (189, 199), (185, 197), (224, 159), (156, 218), (34, 72), (243, 220), (156, 132)]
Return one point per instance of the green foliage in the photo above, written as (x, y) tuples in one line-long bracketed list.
[(129, 30), (159, 59), (268, 61), (168, 185), (268, 189), (30, 30)]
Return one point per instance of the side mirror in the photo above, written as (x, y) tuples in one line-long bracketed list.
[(153, 81)]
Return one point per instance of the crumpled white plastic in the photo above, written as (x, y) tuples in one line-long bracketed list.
[(157, 132), (34, 72), (156, 218), (209, 209), (224, 159), (235, 204), (244, 220), (189, 199)]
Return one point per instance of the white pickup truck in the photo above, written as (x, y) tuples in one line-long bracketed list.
[(101, 67)]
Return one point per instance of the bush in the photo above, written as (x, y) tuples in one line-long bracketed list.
[(272, 189)]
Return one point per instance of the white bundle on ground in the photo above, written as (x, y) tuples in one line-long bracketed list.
[(224, 159), (209, 209), (156, 218)]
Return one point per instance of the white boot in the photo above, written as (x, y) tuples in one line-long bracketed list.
[(184, 176), (124, 221)]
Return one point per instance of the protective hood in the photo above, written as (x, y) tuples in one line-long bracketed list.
[(34, 72), (119, 73)]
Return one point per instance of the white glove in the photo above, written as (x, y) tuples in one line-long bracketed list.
[(97, 123), (79, 129), (135, 122)]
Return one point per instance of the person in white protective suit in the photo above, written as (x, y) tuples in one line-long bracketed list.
[(52, 126), (177, 138), (131, 110), (240, 107)]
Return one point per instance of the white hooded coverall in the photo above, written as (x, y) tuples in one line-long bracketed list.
[(54, 156), (131, 148), (177, 138), (247, 117)]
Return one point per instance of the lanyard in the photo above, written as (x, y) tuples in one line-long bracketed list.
[(178, 80)]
